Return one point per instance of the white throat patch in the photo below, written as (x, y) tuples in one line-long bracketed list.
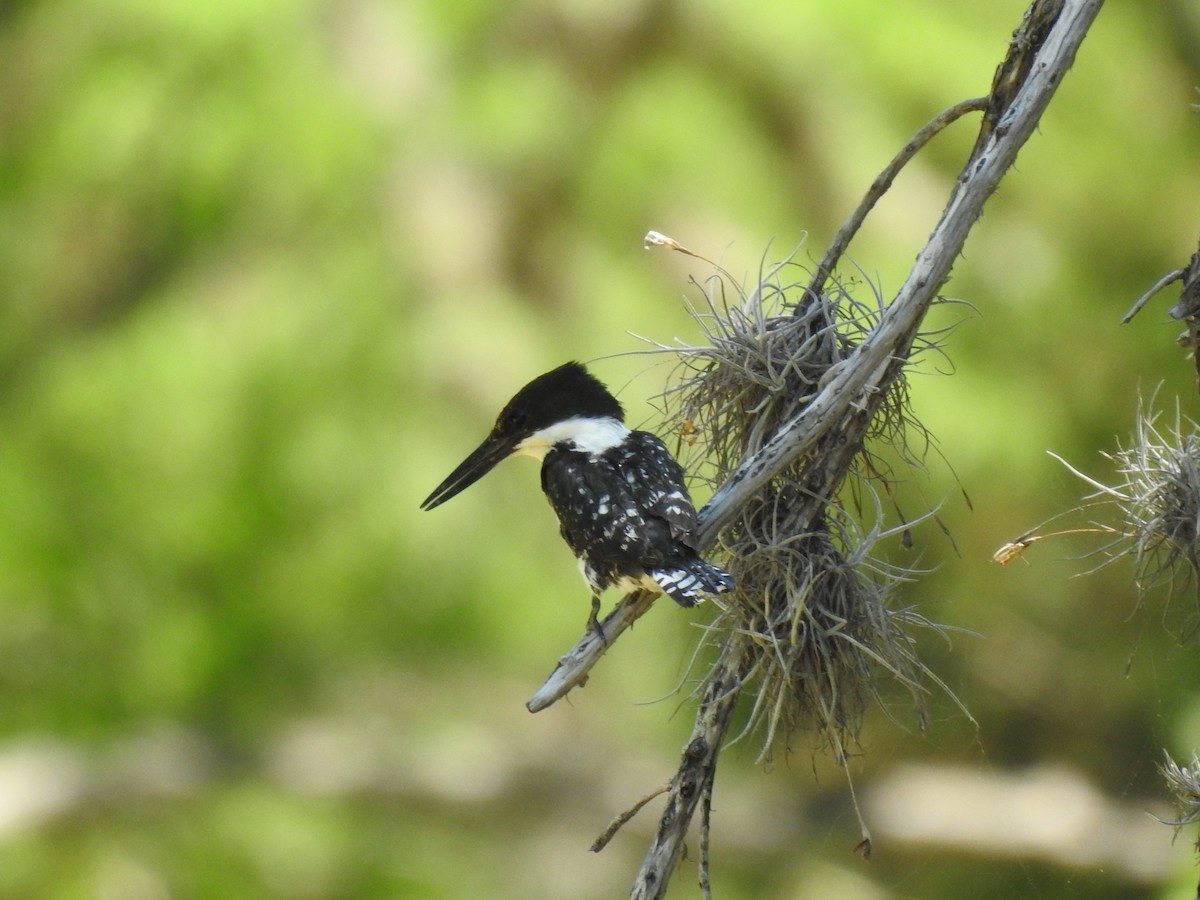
[(588, 435)]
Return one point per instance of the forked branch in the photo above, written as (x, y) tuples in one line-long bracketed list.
[(1040, 54), (830, 430)]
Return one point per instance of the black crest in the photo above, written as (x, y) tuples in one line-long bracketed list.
[(569, 390)]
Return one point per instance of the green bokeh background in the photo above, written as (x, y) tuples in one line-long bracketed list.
[(268, 271)]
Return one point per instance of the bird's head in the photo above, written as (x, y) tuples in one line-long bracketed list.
[(567, 404)]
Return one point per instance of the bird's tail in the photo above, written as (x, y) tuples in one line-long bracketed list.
[(688, 582)]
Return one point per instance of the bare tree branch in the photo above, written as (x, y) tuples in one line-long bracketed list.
[(830, 429), (574, 666), (1040, 54)]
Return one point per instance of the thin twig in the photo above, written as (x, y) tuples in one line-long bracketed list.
[(882, 184), (1188, 306), (1154, 289), (619, 822)]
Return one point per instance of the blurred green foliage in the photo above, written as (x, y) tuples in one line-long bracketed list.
[(269, 270)]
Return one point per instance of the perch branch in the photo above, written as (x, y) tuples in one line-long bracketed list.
[(573, 667)]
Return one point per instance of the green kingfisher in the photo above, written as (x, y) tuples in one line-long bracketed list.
[(619, 495)]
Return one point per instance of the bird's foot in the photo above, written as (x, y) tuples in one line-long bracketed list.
[(594, 621)]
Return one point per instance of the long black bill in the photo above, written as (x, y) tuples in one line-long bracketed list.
[(470, 470)]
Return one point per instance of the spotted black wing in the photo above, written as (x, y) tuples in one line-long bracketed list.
[(650, 469), (597, 512)]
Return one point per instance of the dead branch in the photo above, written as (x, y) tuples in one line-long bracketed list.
[(1041, 52), (830, 429), (574, 665)]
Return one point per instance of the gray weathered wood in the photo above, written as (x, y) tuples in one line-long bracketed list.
[(1041, 53)]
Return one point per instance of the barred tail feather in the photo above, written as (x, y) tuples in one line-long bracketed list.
[(688, 583)]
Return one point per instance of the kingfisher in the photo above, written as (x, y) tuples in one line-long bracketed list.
[(619, 495)]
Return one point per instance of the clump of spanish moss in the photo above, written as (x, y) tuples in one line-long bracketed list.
[(1159, 498), (1156, 499), (1184, 784), (812, 619), (768, 354)]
